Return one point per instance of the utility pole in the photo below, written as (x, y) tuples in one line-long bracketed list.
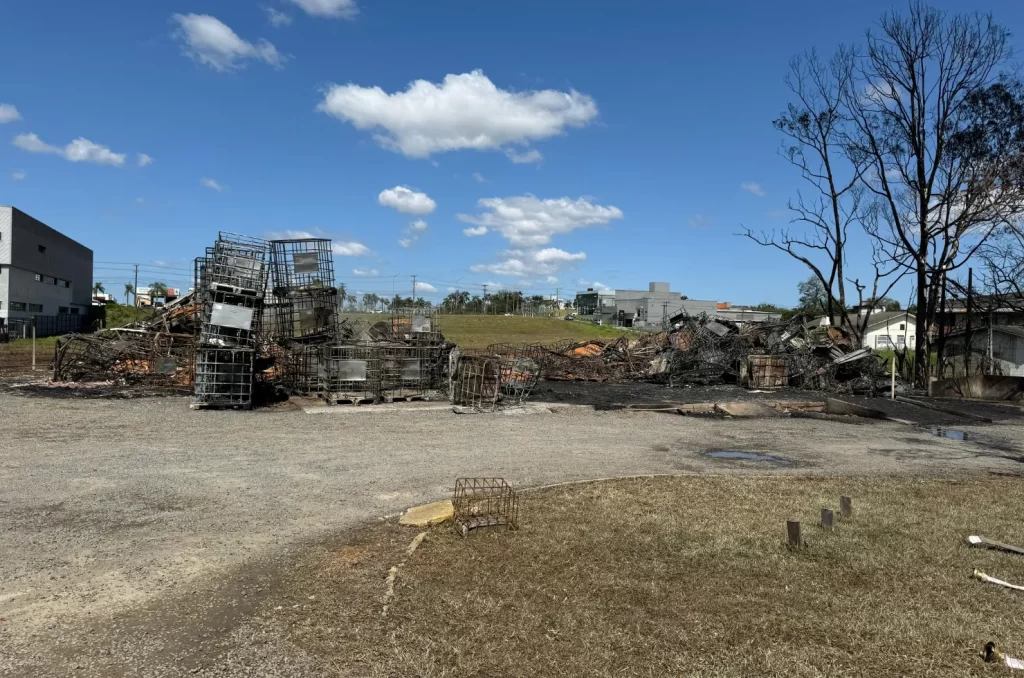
[(485, 300), (664, 315), (135, 293), (414, 289), (558, 305)]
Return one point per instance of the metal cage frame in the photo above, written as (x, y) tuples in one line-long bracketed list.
[(301, 266), (224, 377), (333, 385), (484, 502)]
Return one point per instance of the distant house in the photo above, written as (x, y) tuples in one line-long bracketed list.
[(994, 350), (884, 330)]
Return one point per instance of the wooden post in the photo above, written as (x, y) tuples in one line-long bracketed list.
[(793, 532), (894, 375), (826, 519), (845, 507)]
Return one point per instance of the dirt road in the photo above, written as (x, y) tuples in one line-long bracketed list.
[(136, 536)]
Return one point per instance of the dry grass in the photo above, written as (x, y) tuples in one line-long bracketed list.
[(685, 576)]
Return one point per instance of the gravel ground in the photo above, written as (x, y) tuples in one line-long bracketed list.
[(139, 538)]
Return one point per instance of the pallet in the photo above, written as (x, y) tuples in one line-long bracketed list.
[(351, 401), (219, 406), (404, 399)]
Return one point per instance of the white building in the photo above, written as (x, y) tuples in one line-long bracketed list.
[(42, 272), (884, 330)]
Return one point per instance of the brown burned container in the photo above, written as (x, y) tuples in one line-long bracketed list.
[(768, 372)]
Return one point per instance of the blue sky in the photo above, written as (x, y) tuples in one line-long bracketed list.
[(613, 143)]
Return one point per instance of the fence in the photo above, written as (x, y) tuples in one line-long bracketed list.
[(46, 326)]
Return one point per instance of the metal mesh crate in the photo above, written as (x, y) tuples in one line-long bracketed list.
[(518, 378), (307, 317), (224, 377), (416, 325), (238, 265), (302, 373), (301, 266), (407, 371), (350, 373), (477, 382), (484, 502), (230, 320)]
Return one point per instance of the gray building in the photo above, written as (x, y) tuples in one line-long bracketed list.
[(994, 350), (639, 308), (42, 272)]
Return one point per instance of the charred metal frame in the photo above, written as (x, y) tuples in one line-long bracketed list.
[(484, 502)]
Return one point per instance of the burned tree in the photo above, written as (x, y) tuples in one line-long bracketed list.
[(938, 138), (816, 127)]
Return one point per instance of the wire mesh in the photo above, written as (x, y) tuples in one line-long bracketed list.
[(416, 325), (308, 318), (350, 373), (302, 371), (407, 371), (484, 502), (224, 377), (477, 382), (238, 265), (230, 320), (301, 266)]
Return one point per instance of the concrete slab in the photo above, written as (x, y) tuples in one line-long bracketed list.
[(745, 410), (428, 514)]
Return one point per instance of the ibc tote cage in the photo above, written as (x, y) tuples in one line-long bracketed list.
[(351, 373), (416, 325), (301, 266), (238, 266)]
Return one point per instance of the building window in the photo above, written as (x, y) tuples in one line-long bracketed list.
[(62, 310), (35, 308), (42, 249), (49, 281), (65, 283), (39, 277), (901, 341), (17, 306), (903, 326), (882, 342), (74, 311)]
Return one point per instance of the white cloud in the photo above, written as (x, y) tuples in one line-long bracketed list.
[(406, 242), (140, 201), (350, 249), (520, 264), (465, 111), (425, 287), (290, 235), (475, 230), (532, 155), (19, 175), (418, 226), (364, 271), (143, 160), (406, 200), (597, 285), (79, 150), (552, 280), (331, 9), (479, 177), (527, 221), (753, 187), (699, 221), (9, 113), (212, 43), (211, 184), (277, 18)]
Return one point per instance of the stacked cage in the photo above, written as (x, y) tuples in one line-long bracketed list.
[(305, 312), (410, 364), (231, 282)]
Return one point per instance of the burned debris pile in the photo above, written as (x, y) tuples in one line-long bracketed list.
[(156, 352), (704, 350), (264, 323)]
